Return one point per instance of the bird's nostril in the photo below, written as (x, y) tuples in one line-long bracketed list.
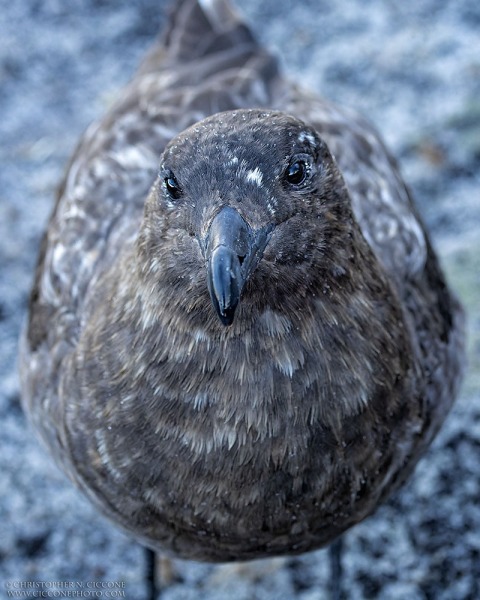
[(241, 259)]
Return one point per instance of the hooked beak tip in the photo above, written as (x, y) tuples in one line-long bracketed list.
[(225, 282), (232, 252)]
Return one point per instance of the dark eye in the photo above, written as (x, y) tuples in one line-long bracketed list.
[(296, 172), (172, 186)]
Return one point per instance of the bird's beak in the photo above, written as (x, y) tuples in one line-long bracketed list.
[(232, 250)]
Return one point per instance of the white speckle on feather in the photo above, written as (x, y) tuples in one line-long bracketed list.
[(255, 176), (271, 205), (306, 135)]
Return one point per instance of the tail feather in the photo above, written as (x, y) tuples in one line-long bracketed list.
[(205, 41), (201, 27)]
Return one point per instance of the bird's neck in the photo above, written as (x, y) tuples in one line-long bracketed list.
[(273, 364)]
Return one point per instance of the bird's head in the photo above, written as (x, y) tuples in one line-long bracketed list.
[(250, 205)]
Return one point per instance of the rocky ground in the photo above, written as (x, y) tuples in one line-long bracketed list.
[(413, 68)]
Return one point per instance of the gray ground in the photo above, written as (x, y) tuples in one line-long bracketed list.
[(413, 67)]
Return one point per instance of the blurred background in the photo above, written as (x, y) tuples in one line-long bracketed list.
[(412, 68)]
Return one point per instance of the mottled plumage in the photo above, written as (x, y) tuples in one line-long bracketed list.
[(277, 426)]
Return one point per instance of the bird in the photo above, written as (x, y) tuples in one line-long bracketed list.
[(240, 341)]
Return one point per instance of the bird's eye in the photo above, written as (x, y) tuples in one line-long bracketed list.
[(296, 172), (172, 186)]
